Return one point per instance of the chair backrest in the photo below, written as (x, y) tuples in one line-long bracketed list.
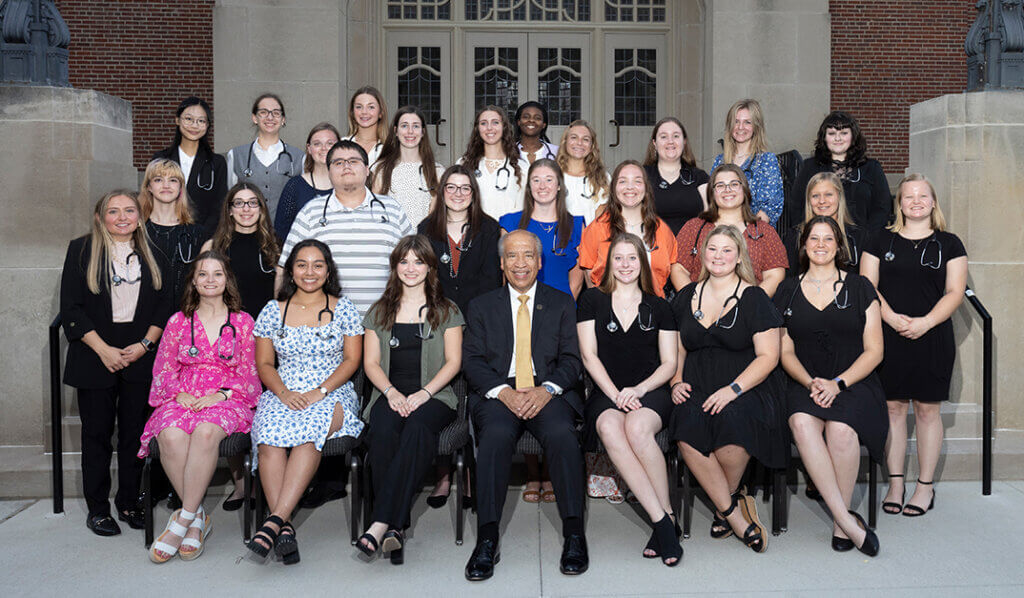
[(789, 164)]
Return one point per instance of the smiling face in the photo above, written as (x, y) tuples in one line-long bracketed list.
[(742, 126), (838, 141), (121, 217), (366, 111), (520, 260), (210, 278), (824, 199), (543, 185), (165, 188), (625, 263), (409, 130), (630, 186), (245, 210), (531, 122), (193, 122), (916, 200), (728, 190), (458, 195), (578, 142), (412, 271), (489, 127), (669, 142), (319, 144), (309, 270), (269, 116), (721, 255), (822, 245)]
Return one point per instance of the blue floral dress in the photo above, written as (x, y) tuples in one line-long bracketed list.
[(765, 179), (305, 360)]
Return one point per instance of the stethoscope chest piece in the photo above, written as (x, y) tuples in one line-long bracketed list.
[(445, 258), (698, 315), (612, 326), (193, 351), (394, 342), (889, 256)]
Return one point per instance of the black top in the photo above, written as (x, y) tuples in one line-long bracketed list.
[(856, 236), (678, 201), (479, 266), (405, 358), (206, 186), (179, 245), (629, 355), (866, 189), (253, 271)]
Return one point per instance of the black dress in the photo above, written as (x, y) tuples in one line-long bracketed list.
[(253, 271), (912, 283), (180, 245), (827, 342), (679, 201), (856, 236), (755, 420), (629, 356)]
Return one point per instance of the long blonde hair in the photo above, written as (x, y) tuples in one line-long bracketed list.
[(165, 168), (938, 220), (842, 215), (593, 166), (101, 244), (744, 269), (758, 145)]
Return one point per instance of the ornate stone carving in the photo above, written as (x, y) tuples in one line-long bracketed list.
[(33, 43)]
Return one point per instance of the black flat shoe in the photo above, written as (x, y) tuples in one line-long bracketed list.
[(895, 508), (133, 517), (575, 559), (910, 510), (842, 544), (438, 501), (102, 525), (481, 563), (870, 545), (319, 495), (233, 504)]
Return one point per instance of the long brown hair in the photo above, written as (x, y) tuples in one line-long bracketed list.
[(264, 231), (307, 163), (439, 309), (475, 147), (646, 280), (101, 244), (686, 158), (758, 145), (842, 258), (616, 223), (382, 123), (711, 213), (744, 268), (593, 166), (165, 168), (232, 298), (437, 220), (392, 153), (565, 219)]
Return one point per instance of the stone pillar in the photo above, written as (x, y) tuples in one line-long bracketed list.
[(63, 148), (971, 145)]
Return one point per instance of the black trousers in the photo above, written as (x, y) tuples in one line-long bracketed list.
[(401, 451), (127, 403), (497, 431)]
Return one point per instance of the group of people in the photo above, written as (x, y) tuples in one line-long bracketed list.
[(259, 292)]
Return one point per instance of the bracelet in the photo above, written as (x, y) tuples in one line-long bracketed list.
[(673, 387), (430, 395), (385, 393), (223, 394)]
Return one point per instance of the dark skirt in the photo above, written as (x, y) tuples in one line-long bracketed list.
[(658, 400), (861, 406)]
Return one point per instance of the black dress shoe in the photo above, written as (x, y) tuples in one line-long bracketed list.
[(319, 495), (233, 504), (481, 563), (842, 544), (436, 502), (102, 525), (574, 555), (133, 517)]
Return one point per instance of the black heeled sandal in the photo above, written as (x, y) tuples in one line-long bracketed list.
[(372, 549), (895, 508), (870, 544), (668, 543), (286, 545), (266, 534), (720, 528), (393, 544), (652, 544), (910, 510), (755, 537)]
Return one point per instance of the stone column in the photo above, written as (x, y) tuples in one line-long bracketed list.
[(63, 148)]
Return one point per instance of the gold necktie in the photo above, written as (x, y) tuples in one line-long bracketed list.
[(524, 367)]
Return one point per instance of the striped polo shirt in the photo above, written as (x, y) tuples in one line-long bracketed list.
[(360, 239)]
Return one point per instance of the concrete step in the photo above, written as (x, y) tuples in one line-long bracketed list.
[(960, 420)]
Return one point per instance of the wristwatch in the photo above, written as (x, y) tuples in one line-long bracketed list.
[(840, 382), (550, 388), (148, 345), (736, 388), (322, 390)]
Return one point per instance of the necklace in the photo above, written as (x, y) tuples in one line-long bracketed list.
[(492, 164), (547, 229), (918, 242), (817, 283)]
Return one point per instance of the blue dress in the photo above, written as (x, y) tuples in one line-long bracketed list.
[(305, 360), (554, 267)]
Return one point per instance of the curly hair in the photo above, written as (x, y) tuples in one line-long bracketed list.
[(475, 147)]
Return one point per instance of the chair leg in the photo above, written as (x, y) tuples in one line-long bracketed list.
[(778, 501), (356, 502), (247, 491), (460, 515), (368, 495), (872, 494), (687, 502), (147, 500), (673, 481), (261, 503)]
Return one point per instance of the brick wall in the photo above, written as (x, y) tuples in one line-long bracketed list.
[(153, 53), (889, 55)]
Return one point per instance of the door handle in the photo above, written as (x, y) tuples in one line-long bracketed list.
[(437, 133), (616, 123)]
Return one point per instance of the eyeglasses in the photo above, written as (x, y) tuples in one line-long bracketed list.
[(264, 113), (731, 186), (453, 189), (188, 120), (238, 203), (349, 163)]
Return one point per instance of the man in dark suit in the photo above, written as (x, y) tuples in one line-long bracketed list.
[(521, 359)]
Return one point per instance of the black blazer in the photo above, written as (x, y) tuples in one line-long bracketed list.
[(208, 169), (490, 336), (82, 312), (479, 266)]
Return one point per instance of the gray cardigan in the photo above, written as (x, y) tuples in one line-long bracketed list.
[(431, 357)]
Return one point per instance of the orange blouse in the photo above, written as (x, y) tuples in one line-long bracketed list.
[(594, 251)]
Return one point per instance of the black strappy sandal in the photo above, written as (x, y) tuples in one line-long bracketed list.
[(756, 534), (895, 508), (286, 546), (720, 528), (910, 510), (371, 550), (652, 544), (266, 534)]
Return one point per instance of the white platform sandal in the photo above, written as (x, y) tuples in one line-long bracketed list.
[(173, 527), (204, 523)]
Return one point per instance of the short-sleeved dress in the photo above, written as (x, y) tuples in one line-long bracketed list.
[(827, 342), (305, 360), (629, 355), (556, 261), (756, 420), (912, 283)]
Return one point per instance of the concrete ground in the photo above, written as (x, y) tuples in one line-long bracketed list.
[(968, 545)]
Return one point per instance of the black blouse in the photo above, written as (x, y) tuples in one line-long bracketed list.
[(479, 266), (678, 201)]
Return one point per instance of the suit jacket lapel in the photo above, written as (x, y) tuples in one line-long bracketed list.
[(507, 323), (536, 324)]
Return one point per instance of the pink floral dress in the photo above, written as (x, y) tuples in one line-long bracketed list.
[(229, 363)]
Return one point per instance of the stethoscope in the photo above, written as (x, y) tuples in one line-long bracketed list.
[(753, 237), (587, 192), (394, 343), (321, 328), (116, 279), (193, 350), (498, 184), (890, 256), (277, 163), (612, 326), (854, 252), (263, 268), (181, 254), (208, 164), (446, 257), (423, 182), (555, 250), (375, 200), (699, 315), (663, 184), (846, 178), (548, 154), (839, 282)]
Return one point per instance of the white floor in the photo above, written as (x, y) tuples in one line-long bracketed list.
[(969, 545)]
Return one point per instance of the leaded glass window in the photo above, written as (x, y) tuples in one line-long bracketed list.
[(424, 10), (496, 78), (419, 80), (635, 86), (559, 83), (634, 11)]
